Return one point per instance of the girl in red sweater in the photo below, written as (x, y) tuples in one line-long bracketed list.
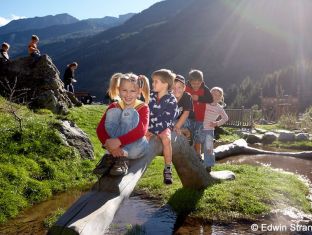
[(123, 126)]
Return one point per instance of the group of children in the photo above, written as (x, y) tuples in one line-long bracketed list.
[(188, 108), (32, 50)]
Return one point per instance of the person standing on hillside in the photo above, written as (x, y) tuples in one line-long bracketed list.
[(33, 50), (69, 76), (201, 96)]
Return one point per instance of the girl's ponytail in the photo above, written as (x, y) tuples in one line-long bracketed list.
[(144, 85), (113, 86)]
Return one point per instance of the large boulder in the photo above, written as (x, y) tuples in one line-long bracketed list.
[(37, 84)]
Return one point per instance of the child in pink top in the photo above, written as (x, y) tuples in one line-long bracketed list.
[(213, 111)]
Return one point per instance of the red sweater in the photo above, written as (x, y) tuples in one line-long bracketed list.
[(131, 136), (200, 105)]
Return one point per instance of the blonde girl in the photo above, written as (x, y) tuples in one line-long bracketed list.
[(123, 126)]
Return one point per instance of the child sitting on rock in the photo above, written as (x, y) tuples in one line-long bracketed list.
[(33, 50), (123, 126), (164, 110)]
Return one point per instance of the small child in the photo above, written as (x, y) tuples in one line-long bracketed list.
[(4, 53), (201, 96), (123, 126), (212, 112), (185, 106), (69, 76), (33, 50), (163, 111)]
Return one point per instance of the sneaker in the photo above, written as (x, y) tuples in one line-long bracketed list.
[(104, 165), (167, 175), (120, 167), (208, 169)]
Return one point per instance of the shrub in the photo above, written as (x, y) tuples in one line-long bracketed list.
[(306, 122), (288, 121)]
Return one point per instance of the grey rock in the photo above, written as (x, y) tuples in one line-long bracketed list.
[(75, 137), (254, 138), (269, 137), (302, 136), (285, 135)]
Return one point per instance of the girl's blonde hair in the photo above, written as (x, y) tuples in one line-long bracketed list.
[(219, 89), (141, 81)]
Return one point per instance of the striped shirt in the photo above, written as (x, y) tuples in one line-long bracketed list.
[(212, 112)]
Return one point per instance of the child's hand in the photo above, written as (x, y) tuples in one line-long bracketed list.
[(177, 129), (118, 152), (213, 124), (148, 135), (112, 143)]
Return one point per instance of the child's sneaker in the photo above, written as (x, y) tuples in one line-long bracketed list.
[(208, 169), (104, 165), (167, 175), (120, 167)]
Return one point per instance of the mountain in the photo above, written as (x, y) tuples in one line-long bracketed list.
[(227, 40), (37, 23), (59, 32)]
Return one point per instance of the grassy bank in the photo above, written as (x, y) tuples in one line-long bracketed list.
[(254, 192), (33, 162)]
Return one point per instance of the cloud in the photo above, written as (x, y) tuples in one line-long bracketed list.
[(4, 21)]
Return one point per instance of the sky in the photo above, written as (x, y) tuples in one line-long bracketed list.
[(81, 9)]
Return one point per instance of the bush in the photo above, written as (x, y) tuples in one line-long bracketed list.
[(306, 122), (288, 121)]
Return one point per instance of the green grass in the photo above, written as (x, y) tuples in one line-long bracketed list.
[(34, 164), (229, 136), (254, 192)]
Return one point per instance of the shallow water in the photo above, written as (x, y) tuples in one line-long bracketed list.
[(142, 216)]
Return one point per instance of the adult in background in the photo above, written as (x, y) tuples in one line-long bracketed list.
[(69, 76)]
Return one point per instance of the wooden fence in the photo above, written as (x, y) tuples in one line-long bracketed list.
[(241, 118)]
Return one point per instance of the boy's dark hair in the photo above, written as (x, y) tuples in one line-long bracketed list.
[(196, 75), (166, 76), (34, 37), (5, 44)]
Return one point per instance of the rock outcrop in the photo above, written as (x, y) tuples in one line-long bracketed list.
[(73, 136), (37, 84)]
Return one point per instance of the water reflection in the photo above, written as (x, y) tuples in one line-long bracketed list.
[(295, 165), (148, 216)]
